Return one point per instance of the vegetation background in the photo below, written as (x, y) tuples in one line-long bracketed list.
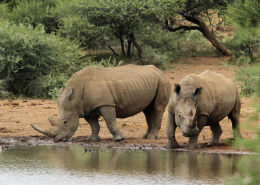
[(44, 42)]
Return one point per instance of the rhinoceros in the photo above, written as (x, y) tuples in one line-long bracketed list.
[(112, 93), (202, 100)]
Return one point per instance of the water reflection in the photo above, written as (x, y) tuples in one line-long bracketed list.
[(120, 166)]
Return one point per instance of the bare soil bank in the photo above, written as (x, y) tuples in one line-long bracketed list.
[(16, 117)]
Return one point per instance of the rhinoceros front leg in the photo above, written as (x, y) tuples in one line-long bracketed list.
[(193, 141), (216, 131), (109, 115), (171, 127), (93, 121)]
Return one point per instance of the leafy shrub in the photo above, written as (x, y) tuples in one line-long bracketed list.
[(247, 46), (244, 76), (34, 12), (29, 57)]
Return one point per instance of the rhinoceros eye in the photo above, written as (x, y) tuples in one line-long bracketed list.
[(64, 121)]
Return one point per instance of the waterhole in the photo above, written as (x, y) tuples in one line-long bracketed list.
[(76, 165)]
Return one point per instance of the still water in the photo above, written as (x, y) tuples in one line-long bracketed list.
[(72, 165)]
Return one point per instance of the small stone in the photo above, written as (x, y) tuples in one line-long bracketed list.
[(172, 77)]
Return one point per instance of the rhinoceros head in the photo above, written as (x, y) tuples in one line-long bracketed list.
[(67, 120), (186, 109)]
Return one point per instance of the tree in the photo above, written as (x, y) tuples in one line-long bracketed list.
[(195, 11), (100, 20)]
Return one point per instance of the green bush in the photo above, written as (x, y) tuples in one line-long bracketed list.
[(247, 46), (34, 12), (33, 62), (246, 80)]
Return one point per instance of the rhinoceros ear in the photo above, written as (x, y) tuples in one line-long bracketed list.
[(68, 97), (61, 90), (177, 88), (197, 91)]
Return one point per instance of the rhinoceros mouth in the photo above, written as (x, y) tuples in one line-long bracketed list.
[(57, 140), (191, 133)]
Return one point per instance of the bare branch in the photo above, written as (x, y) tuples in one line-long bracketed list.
[(197, 11), (111, 49), (185, 28)]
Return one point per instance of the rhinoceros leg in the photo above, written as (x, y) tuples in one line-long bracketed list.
[(216, 131), (234, 117), (153, 119), (93, 121), (193, 141), (148, 118), (109, 115), (171, 127)]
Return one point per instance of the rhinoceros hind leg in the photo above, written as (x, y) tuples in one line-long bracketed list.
[(234, 117), (109, 115), (93, 121), (153, 119), (216, 131)]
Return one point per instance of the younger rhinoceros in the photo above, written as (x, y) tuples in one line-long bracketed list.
[(112, 93), (202, 100)]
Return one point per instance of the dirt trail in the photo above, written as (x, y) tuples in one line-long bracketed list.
[(16, 116)]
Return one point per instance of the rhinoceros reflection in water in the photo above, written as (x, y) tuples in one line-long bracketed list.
[(113, 93)]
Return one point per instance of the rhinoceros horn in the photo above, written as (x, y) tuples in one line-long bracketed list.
[(51, 132), (190, 112), (52, 121)]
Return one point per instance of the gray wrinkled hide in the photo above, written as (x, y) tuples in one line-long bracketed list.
[(191, 109), (112, 93)]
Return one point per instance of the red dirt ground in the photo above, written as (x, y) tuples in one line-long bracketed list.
[(16, 116)]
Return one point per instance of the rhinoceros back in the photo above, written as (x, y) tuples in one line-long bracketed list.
[(219, 95), (129, 88)]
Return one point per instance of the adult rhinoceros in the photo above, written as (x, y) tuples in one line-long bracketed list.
[(112, 93), (190, 109)]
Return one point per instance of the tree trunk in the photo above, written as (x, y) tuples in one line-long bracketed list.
[(207, 33), (138, 47), (129, 47), (122, 44), (212, 39)]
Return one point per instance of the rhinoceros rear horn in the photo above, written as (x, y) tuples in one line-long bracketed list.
[(52, 121), (190, 112), (51, 132)]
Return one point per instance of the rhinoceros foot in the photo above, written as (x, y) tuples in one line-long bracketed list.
[(212, 142), (93, 138), (172, 144), (118, 137), (190, 146), (152, 136)]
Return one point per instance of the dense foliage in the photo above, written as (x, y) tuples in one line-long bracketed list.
[(150, 31), (34, 12), (244, 16), (29, 58)]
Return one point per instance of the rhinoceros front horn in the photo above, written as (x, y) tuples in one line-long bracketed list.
[(51, 132)]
